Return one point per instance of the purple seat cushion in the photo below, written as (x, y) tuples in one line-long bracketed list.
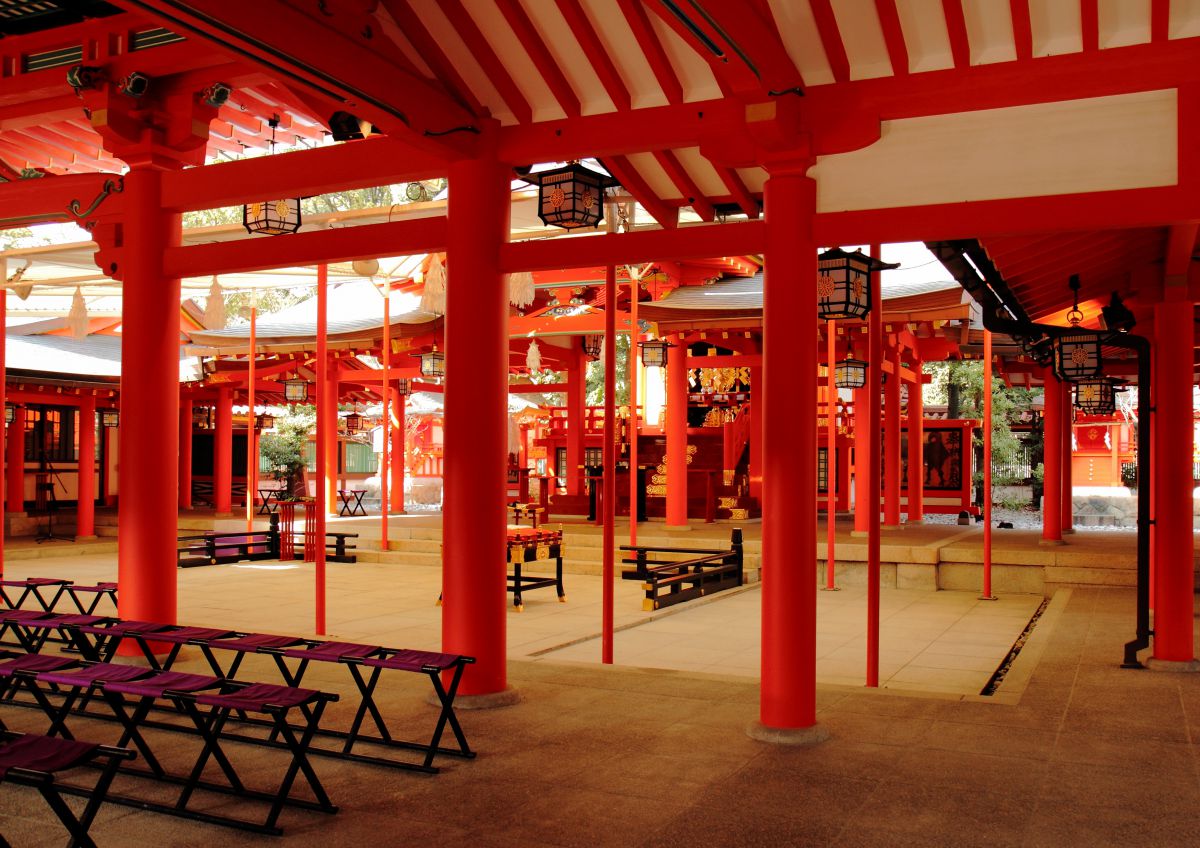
[(123, 627), (35, 662), (253, 641), (256, 696), (69, 619), (43, 753), (99, 587), (35, 581), (155, 685), (410, 660), (189, 634), (100, 672), (24, 615), (332, 651)]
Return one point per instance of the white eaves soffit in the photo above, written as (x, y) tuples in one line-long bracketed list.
[(1122, 141)]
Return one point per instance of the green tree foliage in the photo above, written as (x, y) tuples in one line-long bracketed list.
[(595, 375), (966, 379), (283, 450)]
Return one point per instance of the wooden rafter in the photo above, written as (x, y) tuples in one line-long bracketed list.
[(756, 59), (1089, 24), (1022, 28), (652, 49), (893, 35), (956, 27), (425, 44), (686, 185), (602, 63), (1160, 20), (487, 58), (631, 180), (831, 39), (738, 190), (533, 43)]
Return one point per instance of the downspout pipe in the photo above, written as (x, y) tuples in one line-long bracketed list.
[(967, 261)]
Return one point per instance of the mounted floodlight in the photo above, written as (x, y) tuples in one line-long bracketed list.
[(135, 85), (81, 77), (1095, 395), (844, 283), (654, 353), (295, 391), (593, 345), (572, 196), (346, 127), (1117, 316), (216, 95), (110, 417)]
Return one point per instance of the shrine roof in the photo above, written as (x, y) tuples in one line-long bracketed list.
[(96, 357)]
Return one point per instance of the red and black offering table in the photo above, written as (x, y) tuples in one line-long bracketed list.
[(528, 545)]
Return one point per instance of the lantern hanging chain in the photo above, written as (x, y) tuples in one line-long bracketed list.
[(1075, 316)]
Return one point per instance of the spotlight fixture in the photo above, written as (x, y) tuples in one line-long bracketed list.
[(135, 85), (216, 95), (346, 127), (81, 77), (1117, 316)]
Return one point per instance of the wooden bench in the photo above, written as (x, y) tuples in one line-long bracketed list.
[(335, 550), (668, 582), (216, 548)]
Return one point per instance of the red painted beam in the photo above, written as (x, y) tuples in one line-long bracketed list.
[(693, 242), (423, 235), (47, 199), (631, 180), (481, 50), (343, 71), (1089, 24), (601, 62), (652, 49), (687, 186), (1160, 20), (831, 39), (1022, 28), (956, 27), (1181, 243), (533, 43), (893, 35), (740, 193)]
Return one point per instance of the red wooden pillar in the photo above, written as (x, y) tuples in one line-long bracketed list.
[(399, 453), (891, 443), (15, 460), (864, 501), (185, 454), (1067, 513), (831, 463), (1052, 442), (874, 471), (677, 403), (916, 447), (222, 453), (147, 521), (476, 424), (756, 433), (1174, 603), (332, 502), (3, 379), (576, 425), (611, 434), (987, 467), (85, 510), (787, 399)]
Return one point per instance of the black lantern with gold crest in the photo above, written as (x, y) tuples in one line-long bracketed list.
[(572, 196), (844, 283)]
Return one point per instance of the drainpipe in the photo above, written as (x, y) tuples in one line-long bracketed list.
[(969, 264)]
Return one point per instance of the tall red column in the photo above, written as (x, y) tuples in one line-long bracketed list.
[(331, 437), (677, 403), (987, 467), (787, 399), (891, 443), (222, 453), (611, 434), (146, 520), (3, 378), (864, 500), (15, 462), (1174, 604), (185, 454), (916, 447), (1067, 513), (399, 453), (474, 519), (756, 442), (85, 509), (1052, 425), (576, 374)]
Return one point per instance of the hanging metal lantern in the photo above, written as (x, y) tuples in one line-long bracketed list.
[(404, 387), (272, 217), (295, 391), (433, 363), (571, 196), (110, 417), (202, 417), (654, 353), (593, 345), (264, 422), (844, 283), (1077, 356), (850, 373), (1095, 395), (10, 413), (353, 422)]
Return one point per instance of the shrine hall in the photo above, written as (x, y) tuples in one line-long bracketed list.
[(640, 422)]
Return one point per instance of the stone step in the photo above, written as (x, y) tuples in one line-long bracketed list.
[(59, 549)]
